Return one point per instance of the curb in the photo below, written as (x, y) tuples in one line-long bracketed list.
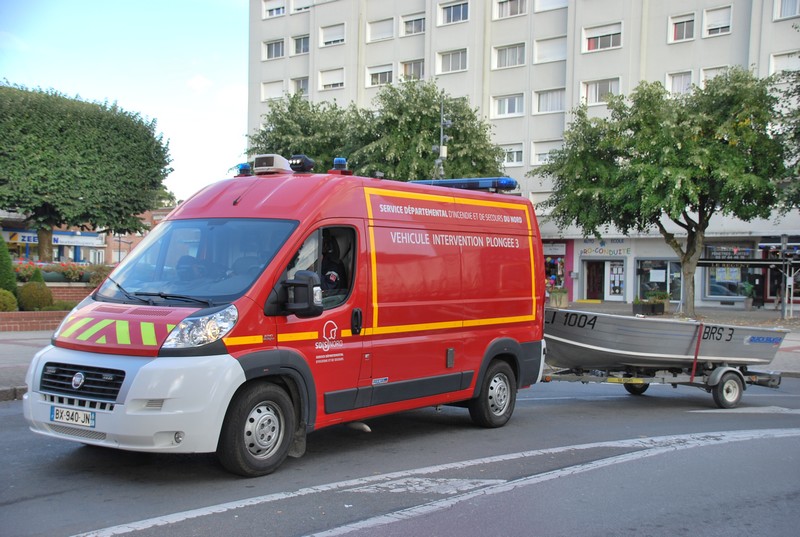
[(12, 393)]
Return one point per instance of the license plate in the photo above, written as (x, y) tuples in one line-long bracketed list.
[(70, 416)]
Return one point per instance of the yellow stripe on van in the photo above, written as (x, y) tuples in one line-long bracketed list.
[(298, 336), (500, 320), (243, 340)]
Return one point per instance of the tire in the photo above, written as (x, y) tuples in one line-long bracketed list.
[(258, 430), (728, 392), (495, 403), (636, 389)]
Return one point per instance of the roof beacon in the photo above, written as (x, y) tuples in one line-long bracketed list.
[(301, 163), (488, 184), (340, 167), (269, 164)]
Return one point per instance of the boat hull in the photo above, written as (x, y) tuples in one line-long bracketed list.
[(581, 340)]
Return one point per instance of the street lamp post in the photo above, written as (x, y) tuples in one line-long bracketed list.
[(784, 272)]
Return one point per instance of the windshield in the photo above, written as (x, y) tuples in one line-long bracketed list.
[(204, 261)]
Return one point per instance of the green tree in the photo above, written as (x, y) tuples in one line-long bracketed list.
[(8, 279), (69, 162), (396, 137), (405, 126), (788, 87), (293, 126), (659, 159)]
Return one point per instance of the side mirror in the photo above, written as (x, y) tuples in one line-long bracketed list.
[(304, 294)]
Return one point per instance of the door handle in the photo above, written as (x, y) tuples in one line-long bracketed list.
[(356, 321)]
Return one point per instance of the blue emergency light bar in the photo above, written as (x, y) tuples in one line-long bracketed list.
[(473, 183)]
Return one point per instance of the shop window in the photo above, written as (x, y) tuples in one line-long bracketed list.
[(655, 275)]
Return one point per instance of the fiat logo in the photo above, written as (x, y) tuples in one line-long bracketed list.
[(77, 380)]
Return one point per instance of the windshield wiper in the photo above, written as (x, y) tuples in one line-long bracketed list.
[(129, 295), (168, 296)]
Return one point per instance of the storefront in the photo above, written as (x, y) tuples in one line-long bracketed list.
[(77, 246), (602, 270)]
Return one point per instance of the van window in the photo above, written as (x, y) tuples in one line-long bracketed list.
[(330, 252), (213, 261)]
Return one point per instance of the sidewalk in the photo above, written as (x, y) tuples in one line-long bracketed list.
[(17, 348)]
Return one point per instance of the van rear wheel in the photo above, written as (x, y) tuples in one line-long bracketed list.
[(257, 432), (498, 396)]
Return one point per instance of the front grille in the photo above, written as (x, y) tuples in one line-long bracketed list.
[(98, 382), (80, 433), (79, 403)]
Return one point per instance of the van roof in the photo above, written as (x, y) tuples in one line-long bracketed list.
[(289, 195)]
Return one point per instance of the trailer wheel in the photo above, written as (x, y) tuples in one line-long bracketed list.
[(728, 392), (257, 431), (495, 402), (636, 389)]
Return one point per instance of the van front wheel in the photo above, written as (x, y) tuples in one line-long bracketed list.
[(257, 432), (495, 402)]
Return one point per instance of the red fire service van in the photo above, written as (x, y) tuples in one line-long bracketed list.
[(272, 305)]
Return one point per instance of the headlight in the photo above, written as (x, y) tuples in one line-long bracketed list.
[(198, 331)]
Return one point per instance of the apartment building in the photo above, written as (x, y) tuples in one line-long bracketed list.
[(524, 64)]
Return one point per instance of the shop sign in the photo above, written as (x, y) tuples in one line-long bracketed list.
[(605, 247), (554, 248), (59, 238)]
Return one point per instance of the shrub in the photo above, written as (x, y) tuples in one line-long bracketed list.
[(61, 305), (8, 302), (37, 276), (34, 296), (8, 279)]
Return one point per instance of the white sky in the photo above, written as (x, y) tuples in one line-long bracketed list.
[(180, 62)]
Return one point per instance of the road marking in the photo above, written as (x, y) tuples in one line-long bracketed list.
[(648, 447), (429, 486), (753, 410)]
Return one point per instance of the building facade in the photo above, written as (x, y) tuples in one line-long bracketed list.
[(524, 64)]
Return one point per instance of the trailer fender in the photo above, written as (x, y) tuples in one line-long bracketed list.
[(716, 375)]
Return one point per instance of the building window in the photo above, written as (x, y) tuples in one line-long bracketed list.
[(331, 79), (541, 150), (550, 100), (301, 5), (598, 91), (602, 37), (301, 44), (510, 56), (787, 8), (414, 70), (378, 30), (452, 61), (550, 50), (272, 8), (711, 72), (789, 61), (717, 21), (679, 83), (379, 76), (510, 8), (332, 35), (301, 85), (508, 105), (512, 154), (547, 5), (453, 13), (272, 50), (413, 24), (271, 90), (681, 28)]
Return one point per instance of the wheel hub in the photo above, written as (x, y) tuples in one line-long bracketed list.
[(263, 430), (498, 394)]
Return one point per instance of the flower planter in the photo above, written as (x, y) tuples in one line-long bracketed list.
[(559, 300), (648, 308)]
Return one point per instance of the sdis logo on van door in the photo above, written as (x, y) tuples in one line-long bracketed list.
[(330, 333)]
